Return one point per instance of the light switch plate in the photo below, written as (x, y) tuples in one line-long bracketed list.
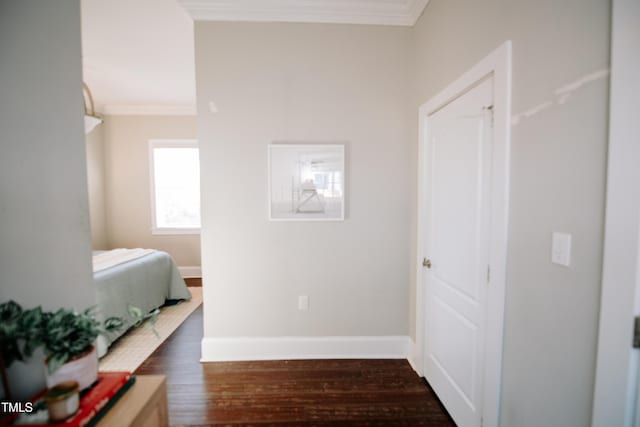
[(561, 248), (303, 302)]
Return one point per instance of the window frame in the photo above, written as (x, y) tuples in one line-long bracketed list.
[(167, 143)]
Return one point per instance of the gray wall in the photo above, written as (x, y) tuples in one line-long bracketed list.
[(557, 184), (301, 82), (45, 240), (128, 190)]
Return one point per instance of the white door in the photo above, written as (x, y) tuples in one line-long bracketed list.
[(617, 385), (458, 187)]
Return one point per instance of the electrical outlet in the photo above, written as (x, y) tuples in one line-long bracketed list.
[(561, 249)]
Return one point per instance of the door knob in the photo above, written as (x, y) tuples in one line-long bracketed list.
[(426, 263)]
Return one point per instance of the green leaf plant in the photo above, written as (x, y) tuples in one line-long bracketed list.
[(139, 317), (63, 334), (10, 332), (67, 334)]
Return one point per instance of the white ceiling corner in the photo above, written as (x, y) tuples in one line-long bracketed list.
[(139, 58), (374, 12)]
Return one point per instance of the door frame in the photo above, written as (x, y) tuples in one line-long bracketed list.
[(498, 65), (615, 398)]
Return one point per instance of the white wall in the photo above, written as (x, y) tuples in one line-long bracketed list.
[(128, 191), (301, 82), (96, 182), (557, 184), (45, 240)]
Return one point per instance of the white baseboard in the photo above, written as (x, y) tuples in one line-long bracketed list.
[(187, 272), (287, 348)]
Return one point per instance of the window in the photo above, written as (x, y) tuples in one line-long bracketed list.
[(175, 186)]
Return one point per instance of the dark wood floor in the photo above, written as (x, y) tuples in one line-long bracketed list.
[(193, 281), (289, 393)]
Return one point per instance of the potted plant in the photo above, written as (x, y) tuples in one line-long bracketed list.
[(18, 328), (66, 337), (9, 348)]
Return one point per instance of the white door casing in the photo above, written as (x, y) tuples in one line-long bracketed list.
[(471, 382)]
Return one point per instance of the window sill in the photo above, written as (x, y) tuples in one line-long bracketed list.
[(175, 231)]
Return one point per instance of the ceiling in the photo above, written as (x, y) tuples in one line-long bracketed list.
[(138, 55)]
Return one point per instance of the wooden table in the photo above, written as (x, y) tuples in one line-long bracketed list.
[(144, 405)]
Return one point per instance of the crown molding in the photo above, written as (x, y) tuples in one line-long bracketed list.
[(149, 110), (372, 12)]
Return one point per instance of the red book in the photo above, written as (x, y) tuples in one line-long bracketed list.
[(97, 401)]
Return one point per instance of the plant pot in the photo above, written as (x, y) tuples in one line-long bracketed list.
[(83, 369), (26, 378)]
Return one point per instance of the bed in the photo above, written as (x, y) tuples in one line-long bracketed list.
[(144, 278)]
